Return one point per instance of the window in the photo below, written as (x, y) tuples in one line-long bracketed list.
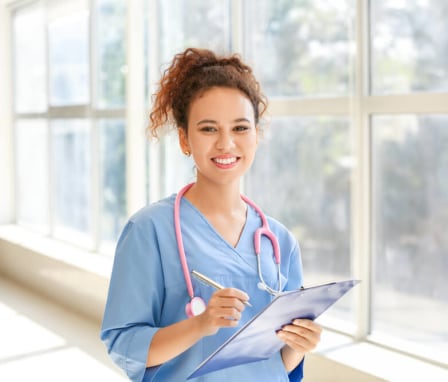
[(70, 128), (409, 167), (32, 187), (410, 263), (69, 69), (30, 46)]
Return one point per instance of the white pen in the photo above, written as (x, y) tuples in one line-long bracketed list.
[(212, 283)]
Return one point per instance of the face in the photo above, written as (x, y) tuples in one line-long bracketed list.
[(222, 135)]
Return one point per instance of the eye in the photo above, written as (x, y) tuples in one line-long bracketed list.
[(208, 129), (241, 128)]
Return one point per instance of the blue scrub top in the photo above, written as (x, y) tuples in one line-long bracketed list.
[(147, 290)]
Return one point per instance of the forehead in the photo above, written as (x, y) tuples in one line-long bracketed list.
[(220, 103)]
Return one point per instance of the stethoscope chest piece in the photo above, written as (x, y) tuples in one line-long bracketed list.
[(195, 307)]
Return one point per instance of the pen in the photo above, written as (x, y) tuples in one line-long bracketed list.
[(212, 283)]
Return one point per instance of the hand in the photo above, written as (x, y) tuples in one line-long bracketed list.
[(301, 335), (224, 309)]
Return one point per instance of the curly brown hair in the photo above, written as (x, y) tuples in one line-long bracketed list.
[(190, 74)]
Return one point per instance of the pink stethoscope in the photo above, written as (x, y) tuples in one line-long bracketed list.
[(197, 305)]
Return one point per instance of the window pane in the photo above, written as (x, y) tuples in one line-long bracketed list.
[(32, 174), (72, 180), (301, 176), (113, 181), (68, 34), (299, 47), (193, 23), (176, 169), (409, 48), (111, 53), (29, 60), (410, 199)]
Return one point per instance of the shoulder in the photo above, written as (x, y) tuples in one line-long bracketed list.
[(155, 212), (283, 234), (150, 220)]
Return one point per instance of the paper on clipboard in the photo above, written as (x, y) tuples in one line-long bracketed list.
[(257, 339)]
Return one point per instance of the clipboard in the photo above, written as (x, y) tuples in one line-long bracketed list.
[(257, 339)]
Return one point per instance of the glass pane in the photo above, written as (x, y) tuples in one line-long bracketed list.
[(409, 48), (72, 180), (113, 181), (176, 169), (299, 47), (301, 176), (29, 59), (32, 174), (68, 38), (193, 23), (410, 202), (111, 50)]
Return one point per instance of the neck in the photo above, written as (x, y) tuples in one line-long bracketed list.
[(212, 198)]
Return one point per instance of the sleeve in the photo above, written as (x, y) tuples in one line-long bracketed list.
[(297, 374), (134, 299), (295, 281)]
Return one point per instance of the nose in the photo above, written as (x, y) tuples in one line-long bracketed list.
[(225, 141)]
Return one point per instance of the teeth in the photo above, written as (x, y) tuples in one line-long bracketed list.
[(225, 160)]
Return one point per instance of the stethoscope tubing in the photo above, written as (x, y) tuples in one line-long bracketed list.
[(180, 243), (263, 230)]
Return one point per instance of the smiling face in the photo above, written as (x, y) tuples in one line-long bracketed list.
[(222, 135)]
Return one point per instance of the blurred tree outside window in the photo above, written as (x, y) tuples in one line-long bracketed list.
[(299, 47), (410, 170), (409, 46)]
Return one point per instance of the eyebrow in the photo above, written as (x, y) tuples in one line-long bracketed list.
[(206, 121)]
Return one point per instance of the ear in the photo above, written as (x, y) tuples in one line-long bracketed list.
[(183, 140)]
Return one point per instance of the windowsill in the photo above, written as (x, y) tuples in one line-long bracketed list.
[(79, 279), (374, 360), (71, 276)]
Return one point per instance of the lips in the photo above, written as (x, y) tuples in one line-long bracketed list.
[(225, 162)]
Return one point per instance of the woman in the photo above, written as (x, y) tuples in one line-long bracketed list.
[(216, 104)]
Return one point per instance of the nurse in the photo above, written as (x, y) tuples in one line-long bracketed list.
[(215, 103)]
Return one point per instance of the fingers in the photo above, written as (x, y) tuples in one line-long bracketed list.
[(225, 308), (302, 335), (233, 292)]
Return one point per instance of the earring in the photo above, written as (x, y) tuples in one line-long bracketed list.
[(187, 153)]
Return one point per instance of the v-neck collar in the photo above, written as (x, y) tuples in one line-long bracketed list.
[(241, 239)]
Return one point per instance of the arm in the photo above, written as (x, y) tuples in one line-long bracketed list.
[(223, 310)]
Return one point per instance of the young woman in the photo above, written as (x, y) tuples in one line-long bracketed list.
[(216, 104)]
